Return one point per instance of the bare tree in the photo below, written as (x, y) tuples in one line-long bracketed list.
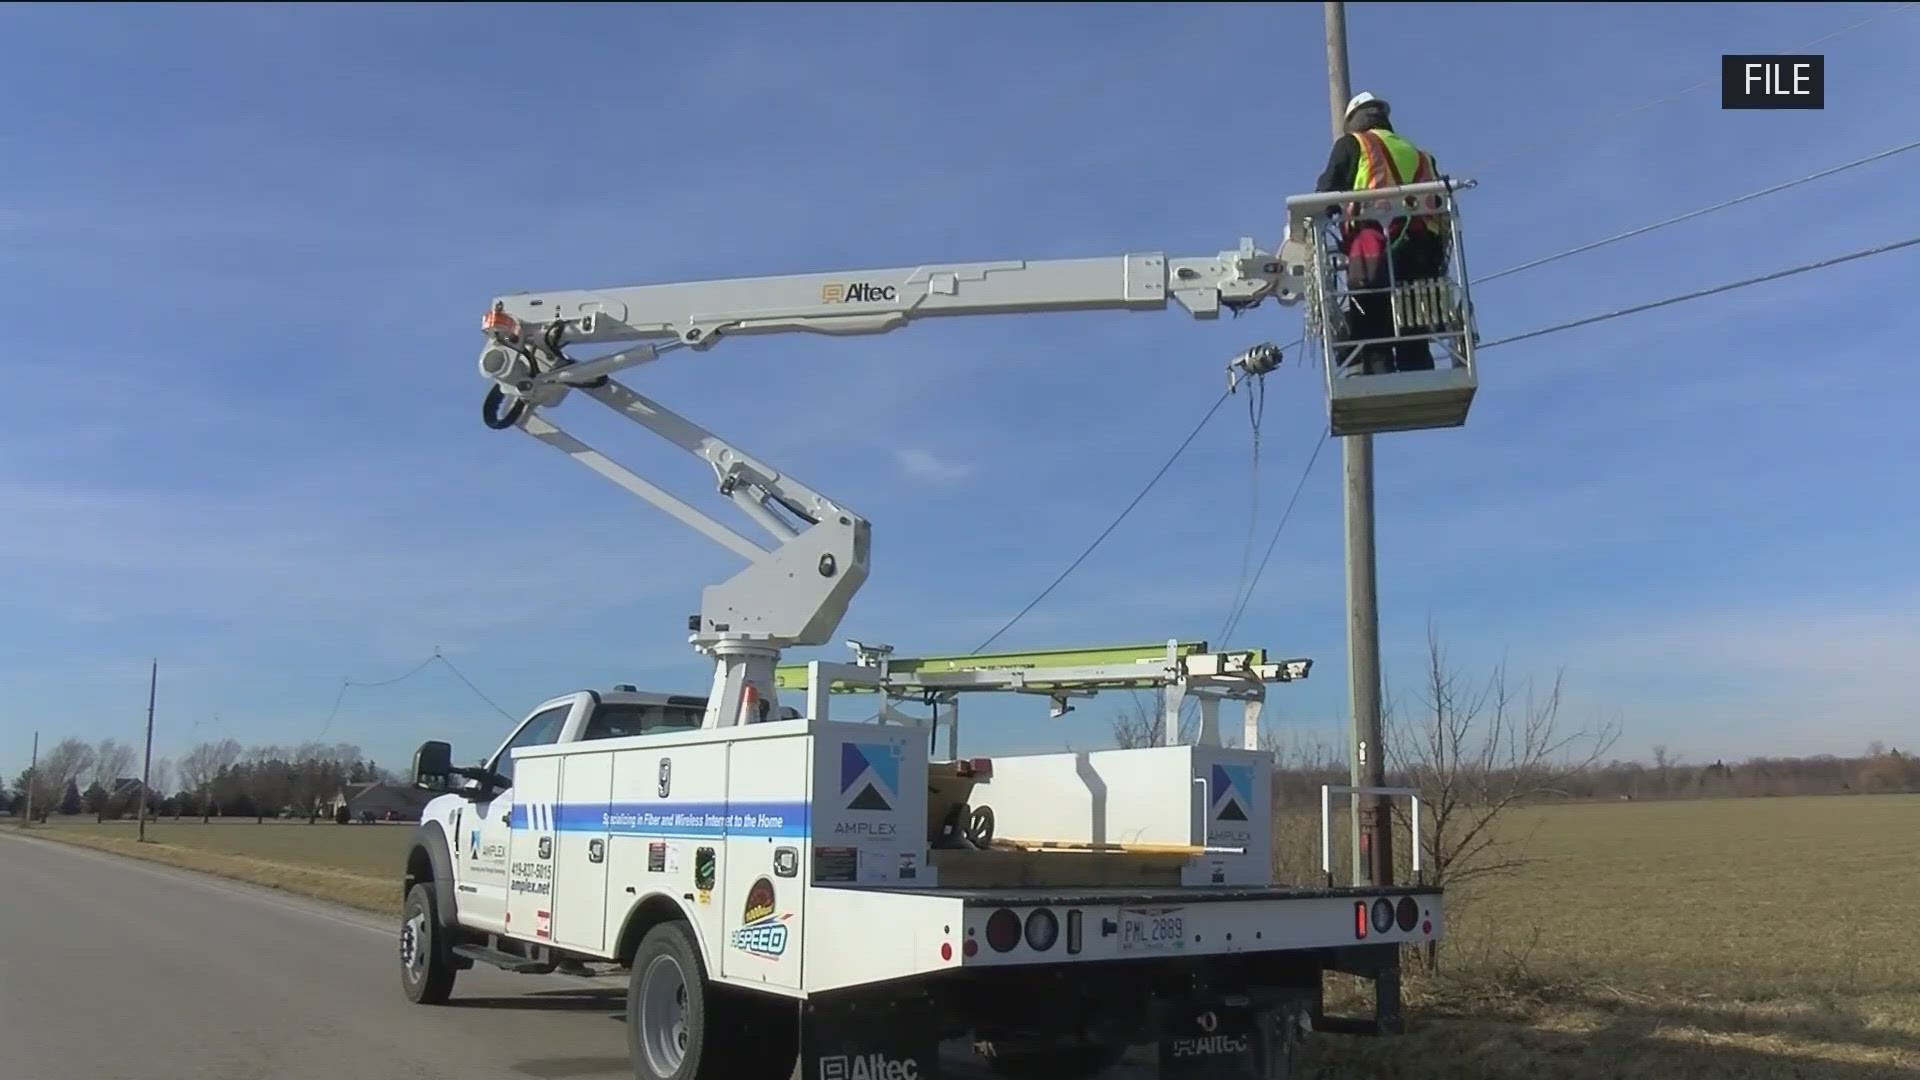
[(112, 760), (59, 767), (202, 765), (1475, 753), (1140, 722), (1664, 764), (159, 783)]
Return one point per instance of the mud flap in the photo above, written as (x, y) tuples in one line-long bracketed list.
[(867, 1038), (1233, 1038)]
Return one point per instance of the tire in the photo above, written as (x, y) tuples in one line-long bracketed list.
[(1057, 1063), (426, 968), (674, 1030)]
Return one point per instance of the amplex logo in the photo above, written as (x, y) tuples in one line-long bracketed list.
[(870, 774), (1232, 792)]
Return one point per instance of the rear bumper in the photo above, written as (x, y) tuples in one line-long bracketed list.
[(936, 932), (1188, 923)]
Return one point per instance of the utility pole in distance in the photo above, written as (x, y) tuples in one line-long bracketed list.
[(33, 781), (146, 766), (1372, 830)]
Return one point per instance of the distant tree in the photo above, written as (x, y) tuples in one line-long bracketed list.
[(160, 783), (71, 803), (200, 768), (96, 799)]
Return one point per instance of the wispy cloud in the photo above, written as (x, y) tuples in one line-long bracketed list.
[(927, 466)]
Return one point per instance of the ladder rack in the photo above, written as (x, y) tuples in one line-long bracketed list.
[(1177, 669)]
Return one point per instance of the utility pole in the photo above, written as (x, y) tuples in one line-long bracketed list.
[(146, 766), (1372, 821), (33, 781)]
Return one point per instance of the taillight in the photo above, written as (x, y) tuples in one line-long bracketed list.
[(1043, 929), (1003, 931), (1409, 914), (1074, 920), (1383, 914), (1359, 918), (981, 769)]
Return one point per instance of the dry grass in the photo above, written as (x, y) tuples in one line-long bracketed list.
[(358, 865), (1752, 939)]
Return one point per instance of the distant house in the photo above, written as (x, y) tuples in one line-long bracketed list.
[(376, 802), (126, 792)]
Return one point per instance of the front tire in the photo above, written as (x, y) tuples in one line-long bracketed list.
[(426, 968), (670, 1010)]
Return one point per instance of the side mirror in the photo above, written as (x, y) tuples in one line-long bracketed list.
[(433, 766)]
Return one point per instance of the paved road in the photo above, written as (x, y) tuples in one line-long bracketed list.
[(115, 969)]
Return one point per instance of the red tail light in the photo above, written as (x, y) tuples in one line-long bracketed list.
[(1360, 918), (981, 768), (1003, 930)]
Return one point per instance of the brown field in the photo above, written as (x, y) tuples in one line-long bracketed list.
[(1724, 939)]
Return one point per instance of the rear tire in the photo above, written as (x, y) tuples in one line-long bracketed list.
[(674, 1030), (426, 966)]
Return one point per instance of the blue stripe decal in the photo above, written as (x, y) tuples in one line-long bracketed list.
[(667, 818)]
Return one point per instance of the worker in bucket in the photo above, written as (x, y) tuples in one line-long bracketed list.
[(1372, 155)]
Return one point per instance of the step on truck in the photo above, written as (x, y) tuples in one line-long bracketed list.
[(789, 894), (805, 893)]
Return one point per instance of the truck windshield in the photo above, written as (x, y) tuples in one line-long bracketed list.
[(617, 721)]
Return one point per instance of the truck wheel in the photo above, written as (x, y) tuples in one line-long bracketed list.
[(426, 973), (670, 1010), (1056, 1062)]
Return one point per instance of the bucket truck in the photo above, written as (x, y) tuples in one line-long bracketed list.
[(788, 893)]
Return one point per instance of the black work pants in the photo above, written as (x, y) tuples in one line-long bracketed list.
[(1420, 254)]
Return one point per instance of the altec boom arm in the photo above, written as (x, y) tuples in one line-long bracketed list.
[(797, 592)]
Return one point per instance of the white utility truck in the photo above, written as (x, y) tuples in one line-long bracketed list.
[(793, 894)]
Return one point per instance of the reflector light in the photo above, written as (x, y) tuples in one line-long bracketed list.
[(1043, 929), (1003, 930), (946, 950), (1359, 918), (1409, 913), (969, 947), (1383, 914), (1074, 920), (1427, 927)]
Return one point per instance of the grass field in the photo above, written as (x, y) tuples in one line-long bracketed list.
[(1751, 938)]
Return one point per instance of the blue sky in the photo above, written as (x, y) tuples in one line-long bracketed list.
[(246, 250)]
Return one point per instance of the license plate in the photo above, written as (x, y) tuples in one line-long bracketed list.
[(1153, 929)]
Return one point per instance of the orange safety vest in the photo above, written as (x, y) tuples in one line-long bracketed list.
[(1385, 160)]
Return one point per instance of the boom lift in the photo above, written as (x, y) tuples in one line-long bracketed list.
[(798, 592), (827, 895)]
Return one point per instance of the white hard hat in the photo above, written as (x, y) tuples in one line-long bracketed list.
[(1366, 97)]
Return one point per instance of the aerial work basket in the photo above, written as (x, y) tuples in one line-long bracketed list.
[(1388, 304)]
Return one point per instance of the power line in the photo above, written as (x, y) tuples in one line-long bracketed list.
[(1233, 620), (1104, 533), (1239, 603), (346, 684), (476, 690), (1691, 214), (1700, 293)]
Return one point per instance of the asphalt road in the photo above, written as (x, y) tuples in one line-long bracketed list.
[(115, 969)]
